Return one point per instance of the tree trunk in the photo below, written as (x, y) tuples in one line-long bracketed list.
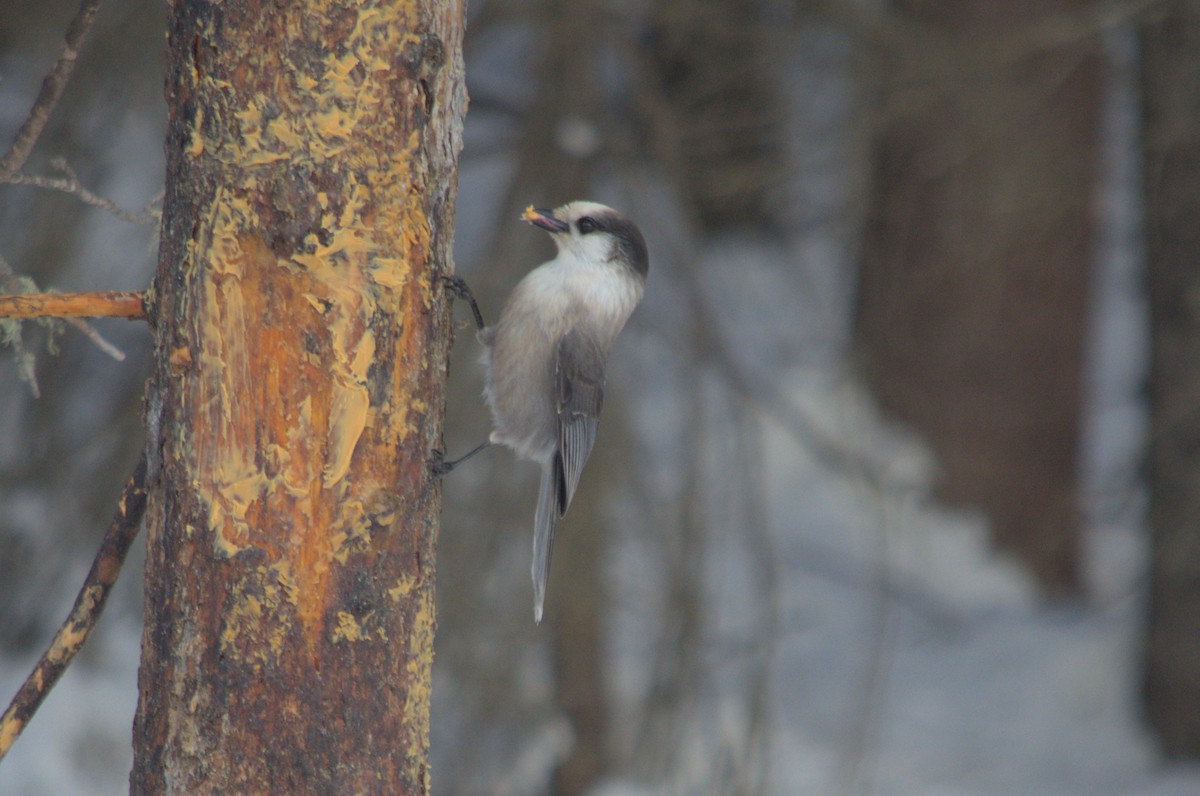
[(972, 296), (1171, 89), (301, 338)]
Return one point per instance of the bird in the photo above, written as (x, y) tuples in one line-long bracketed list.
[(545, 358)]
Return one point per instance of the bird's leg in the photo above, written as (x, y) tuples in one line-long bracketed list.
[(438, 466), (458, 286)]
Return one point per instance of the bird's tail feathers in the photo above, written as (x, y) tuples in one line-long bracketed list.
[(544, 523)]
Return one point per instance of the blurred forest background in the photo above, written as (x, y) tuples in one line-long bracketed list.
[(898, 488)]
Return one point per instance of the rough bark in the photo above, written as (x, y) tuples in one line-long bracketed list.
[(300, 355), (1171, 88), (972, 295)]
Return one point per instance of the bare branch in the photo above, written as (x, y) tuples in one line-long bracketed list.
[(70, 185), (97, 339), (111, 304), (88, 606), (25, 360), (52, 89)]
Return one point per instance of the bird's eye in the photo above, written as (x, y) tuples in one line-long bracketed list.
[(587, 224)]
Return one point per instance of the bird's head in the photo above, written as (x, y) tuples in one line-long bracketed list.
[(592, 232)]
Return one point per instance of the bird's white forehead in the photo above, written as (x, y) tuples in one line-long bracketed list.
[(576, 210)]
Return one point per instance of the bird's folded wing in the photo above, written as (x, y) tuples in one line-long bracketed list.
[(579, 397)]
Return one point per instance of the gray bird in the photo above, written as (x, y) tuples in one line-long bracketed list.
[(545, 358)]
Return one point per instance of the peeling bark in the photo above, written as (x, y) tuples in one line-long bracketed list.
[(300, 359)]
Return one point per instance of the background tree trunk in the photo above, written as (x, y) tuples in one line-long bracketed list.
[(1171, 90), (300, 355), (973, 288), (717, 113)]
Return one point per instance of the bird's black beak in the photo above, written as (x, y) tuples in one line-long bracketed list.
[(544, 219)]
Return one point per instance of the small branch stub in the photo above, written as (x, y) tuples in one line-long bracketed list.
[(131, 305)]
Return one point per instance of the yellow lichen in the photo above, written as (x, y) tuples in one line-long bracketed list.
[(9, 731), (195, 146), (259, 612), (418, 668), (73, 634), (403, 588), (350, 629)]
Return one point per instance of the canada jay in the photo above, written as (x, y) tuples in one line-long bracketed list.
[(545, 358)]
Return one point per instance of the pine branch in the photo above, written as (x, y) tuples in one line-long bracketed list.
[(52, 88), (88, 606), (69, 184), (110, 304)]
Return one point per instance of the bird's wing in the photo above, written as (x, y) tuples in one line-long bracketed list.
[(579, 397)]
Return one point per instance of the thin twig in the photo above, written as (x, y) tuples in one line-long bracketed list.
[(52, 89), (110, 304), (71, 185), (88, 606), (97, 339), (26, 363), (25, 360)]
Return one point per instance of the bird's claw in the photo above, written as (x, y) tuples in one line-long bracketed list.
[(437, 464), (457, 285)]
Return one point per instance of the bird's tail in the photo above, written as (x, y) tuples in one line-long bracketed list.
[(544, 523)]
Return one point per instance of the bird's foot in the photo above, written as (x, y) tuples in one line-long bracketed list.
[(458, 286), (437, 464)]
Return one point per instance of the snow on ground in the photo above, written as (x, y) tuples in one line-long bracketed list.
[(960, 683)]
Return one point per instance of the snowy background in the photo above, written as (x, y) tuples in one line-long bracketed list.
[(857, 638)]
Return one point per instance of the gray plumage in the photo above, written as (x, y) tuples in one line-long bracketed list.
[(546, 355)]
